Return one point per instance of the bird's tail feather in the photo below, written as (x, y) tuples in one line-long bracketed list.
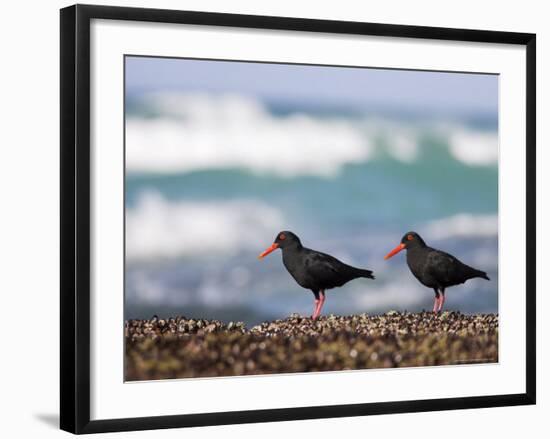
[(481, 274), (365, 273)]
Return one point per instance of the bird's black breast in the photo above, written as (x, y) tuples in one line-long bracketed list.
[(417, 262), (295, 265)]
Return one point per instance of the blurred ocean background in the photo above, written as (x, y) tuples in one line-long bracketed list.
[(220, 156)]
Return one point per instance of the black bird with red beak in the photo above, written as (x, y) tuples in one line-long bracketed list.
[(313, 270), (434, 268)]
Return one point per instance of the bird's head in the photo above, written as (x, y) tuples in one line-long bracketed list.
[(284, 239), (409, 240)]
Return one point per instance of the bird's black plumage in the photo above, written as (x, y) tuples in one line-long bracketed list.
[(312, 269), (435, 268)]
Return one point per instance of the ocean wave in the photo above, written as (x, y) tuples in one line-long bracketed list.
[(193, 132), (199, 132), (463, 225), (158, 228), (474, 148)]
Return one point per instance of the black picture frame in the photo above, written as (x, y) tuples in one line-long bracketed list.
[(75, 217)]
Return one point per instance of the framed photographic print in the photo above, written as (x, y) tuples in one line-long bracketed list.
[(280, 211)]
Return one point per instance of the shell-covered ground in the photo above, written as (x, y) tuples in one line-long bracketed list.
[(180, 347)]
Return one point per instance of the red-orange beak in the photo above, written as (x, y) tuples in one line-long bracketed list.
[(273, 247), (395, 251)]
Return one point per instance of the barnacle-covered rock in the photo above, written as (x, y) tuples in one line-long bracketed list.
[(178, 347)]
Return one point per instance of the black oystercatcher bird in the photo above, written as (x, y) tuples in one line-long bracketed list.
[(313, 270), (434, 268)]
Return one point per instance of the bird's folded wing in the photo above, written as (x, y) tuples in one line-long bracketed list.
[(444, 267), (326, 269)]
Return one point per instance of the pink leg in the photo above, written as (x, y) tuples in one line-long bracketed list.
[(322, 302), (436, 304), (315, 308), (441, 302), (319, 307)]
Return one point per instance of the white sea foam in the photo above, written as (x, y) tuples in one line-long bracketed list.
[(157, 228), (463, 225), (473, 147), (201, 131)]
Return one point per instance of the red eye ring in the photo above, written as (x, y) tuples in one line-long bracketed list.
[(282, 237), (410, 237)]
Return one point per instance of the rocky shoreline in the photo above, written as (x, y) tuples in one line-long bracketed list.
[(181, 347)]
